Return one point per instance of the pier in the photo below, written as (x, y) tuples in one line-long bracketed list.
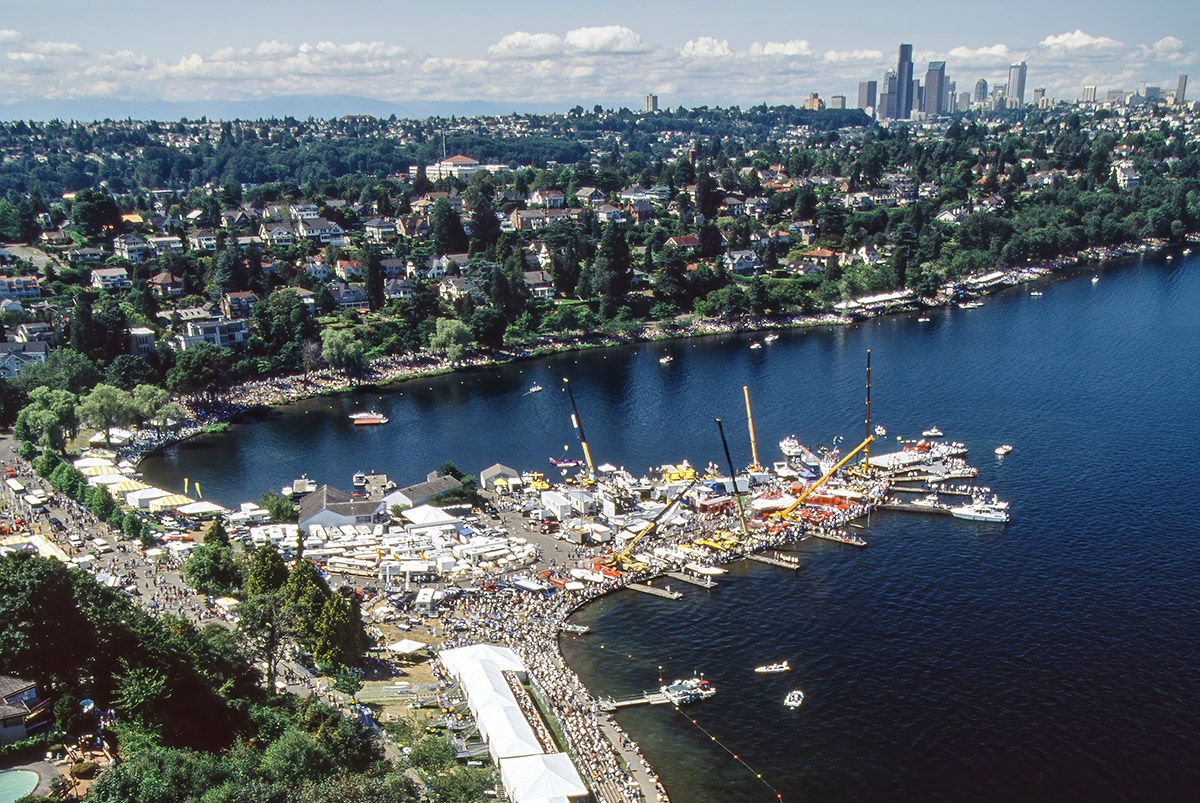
[(776, 561), (666, 593), (645, 698), (706, 582), (908, 507)]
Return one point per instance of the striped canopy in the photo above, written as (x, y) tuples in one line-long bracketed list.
[(170, 502)]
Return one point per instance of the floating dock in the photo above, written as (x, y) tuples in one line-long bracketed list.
[(645, 698), (775, 561), (908, 507), (705, 582), (658, 592)]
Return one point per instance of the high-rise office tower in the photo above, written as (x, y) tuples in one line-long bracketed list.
[(1039, 92), (935, 88), (887, 99), (951, 97), (1181, 89), (964, 101), (918, 95), (1016, 84), (866, 94), (981, 90), (1089, 94), (904, 83), (652, 103)]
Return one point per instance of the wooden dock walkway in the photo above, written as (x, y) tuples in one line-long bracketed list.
[(705, 582), (907, 507), (774, 561), (658, 592)]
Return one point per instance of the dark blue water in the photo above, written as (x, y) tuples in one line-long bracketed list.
[(1054, 658)]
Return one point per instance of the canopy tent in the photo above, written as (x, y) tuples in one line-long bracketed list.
[(202, 509), (428, 515), (115, 436), (143, 497), (169, 502), (85, 463), (127, 485), (541, 779), (107, 479), (507, 733), (405, 646), (106, 454), (99, 469)]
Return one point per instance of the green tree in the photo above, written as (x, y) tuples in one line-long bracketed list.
[(140, 692), (280, 508), (266, 573), (105, 407), (343, 351), (213, 569), (263, 628), (451, 338)]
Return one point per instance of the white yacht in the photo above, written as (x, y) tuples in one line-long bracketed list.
[(793, 700), (1003, 449), (771, 669), (980, 511), (932, 432)]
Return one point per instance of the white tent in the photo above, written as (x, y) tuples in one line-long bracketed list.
[(143, 498), (405, 646), (541, 779), (107, 478), (455, 659), (507, 733), (170, 502), (428, 515), (115, 436), (127, 486), (88, 462), (201, 509)]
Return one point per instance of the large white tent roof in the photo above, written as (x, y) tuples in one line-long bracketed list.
[(507, 732), (429, 515), (545, 778), (455, 659)]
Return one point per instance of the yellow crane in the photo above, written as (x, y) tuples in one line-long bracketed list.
[(786, 512), (622, 560), (575, 422), (754, 466)]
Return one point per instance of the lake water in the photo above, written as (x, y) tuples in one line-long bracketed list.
[(1054, 657)]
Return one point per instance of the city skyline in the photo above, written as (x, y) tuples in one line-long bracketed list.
[(525, 59)]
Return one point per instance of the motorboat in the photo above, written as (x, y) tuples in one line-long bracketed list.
[(564, 463), (568, 627), (771, 669), (534, 389), (922, 320), (682, 692), (793, 700), (1035, 293), (970, 305), (666, 358), (932, 432), (1095, 279), (980, 511), (1003, 449), (360, 480), (880, 431), (756, 345), (368, 418), (790, 446), (771, 338)]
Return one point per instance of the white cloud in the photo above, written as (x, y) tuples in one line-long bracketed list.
[(522, 45), (8, 36), (707, 47), (841, 56), (1079, 40), (794, 47), (979, 54), (360, 50), (1168, 44), (22, 55), (607, 39), (54, 48), (273, 48)]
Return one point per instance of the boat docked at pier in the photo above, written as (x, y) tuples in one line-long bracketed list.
[(839, 537), (368, 418), (682, 692), (793, 700), (932, 432), (980, 511), (568, 627), (771, 669)]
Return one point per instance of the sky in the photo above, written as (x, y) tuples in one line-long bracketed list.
[(76, 54)]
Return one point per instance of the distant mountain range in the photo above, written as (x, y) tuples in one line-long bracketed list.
[(298, 106)]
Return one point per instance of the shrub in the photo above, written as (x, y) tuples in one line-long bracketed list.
[(84, 769)]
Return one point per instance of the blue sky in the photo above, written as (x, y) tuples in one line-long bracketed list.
[(691, 53)]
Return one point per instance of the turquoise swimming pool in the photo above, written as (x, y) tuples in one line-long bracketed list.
[(16, 783)]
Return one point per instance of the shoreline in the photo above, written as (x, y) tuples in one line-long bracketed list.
[(260, 394)]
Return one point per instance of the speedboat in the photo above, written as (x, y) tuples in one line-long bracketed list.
[(980, 511), (932, 432), (790, 446), (793, 700), (922, 320), (1095, 279), (771, 338), (360, 480), (970, 305), (756, 345), (682, 692), (665, 359), (880, 431), (368, 418), (770, 669), (1003, 449), (568, 627), (535, 389), (1035, 293), (564, 463)]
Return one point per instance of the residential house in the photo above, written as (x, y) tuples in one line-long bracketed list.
[(398, 288), (684, 242), (348, 296), (55, 238), (217, 331), (732, 206), (414, 226), (461, 261), (235, 219), (429, 268), (14, 356), (392, 268), (641, 211), (331, 507), (304, 211), (350, 270), (318, 228), (110, 278), (380, 229), (822, 256), (141, 341), (540, 283), (35, 332), (589, 196), (19, 287), (22, 710), (131, 247), (166, 284), (278, 235), (743, 263), (85, 255), (552, 199), (202, 240), (238, 304), (453, 288)]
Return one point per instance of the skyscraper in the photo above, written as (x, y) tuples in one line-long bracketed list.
[(1089, 93), (935, 88), (652, 103), (837, 101), (866, 94), (1016, 84), (904, 83), (887, 100), (964, 101), (1181, 89), (981, 90)]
